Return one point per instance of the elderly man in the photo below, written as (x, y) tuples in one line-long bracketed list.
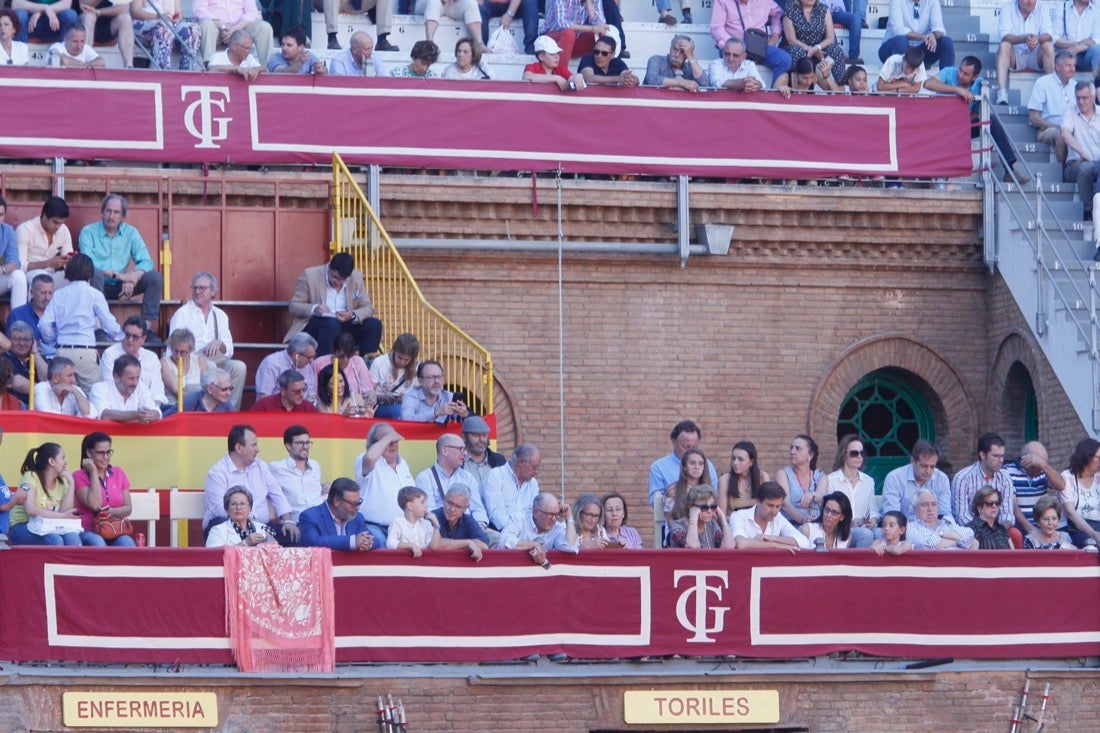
[(447, 471), (1076, 28), (298, 474), (123, 267), (337, 524), (60, 394), (931, 531), (331, 299), (124, 398), (45, 20), (293, 57), (381, 472), (899, 489), (986, 471), (734, 71), (547, 526), (1027, 42), (665, 471), (480, 459), (1033, 477), (727, 23), (210, 326), (510, 489), (358, 59), (75, 53), (12, 277), (133, 341), (213, 396), (105, 20), (1081, 135), (1051, 99), (41, 293), (69, 322), (679, 69), (44, 242), (429, 402), (240, 467), (291, 396), (299, 353), (763, 526), (20, 354), (237, 57), (918, 23), (220, 19), (458, 530)]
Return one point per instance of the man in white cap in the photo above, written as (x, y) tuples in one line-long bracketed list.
[(549, 68)]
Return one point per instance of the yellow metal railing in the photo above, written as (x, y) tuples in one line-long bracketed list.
[(397, 299)]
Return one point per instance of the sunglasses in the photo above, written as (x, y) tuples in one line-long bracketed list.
[(706, 507), (991, 503), (598, 52), (856, 453)]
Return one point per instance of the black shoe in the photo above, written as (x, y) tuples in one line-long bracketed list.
[(333, 44), (854, 61), (1087, 216), (687, 17), (385, 45), (624, 54)]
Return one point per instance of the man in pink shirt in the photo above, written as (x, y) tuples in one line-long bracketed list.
[(220, 18)]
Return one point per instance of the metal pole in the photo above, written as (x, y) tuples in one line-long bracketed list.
[(683, 219)]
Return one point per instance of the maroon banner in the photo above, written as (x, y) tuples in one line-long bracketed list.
[(167, 606), (217, 118)]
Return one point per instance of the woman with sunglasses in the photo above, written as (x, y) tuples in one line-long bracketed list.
[(848, 478), (834, 526), (990, 534), (101, 489), (588, 515), (704, 527)]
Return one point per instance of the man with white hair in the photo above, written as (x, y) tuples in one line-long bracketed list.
[(548, 526), (932, 531), (60, 393), (298, 354), (210, 325)]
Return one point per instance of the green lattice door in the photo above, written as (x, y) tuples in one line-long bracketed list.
[(889, 415)]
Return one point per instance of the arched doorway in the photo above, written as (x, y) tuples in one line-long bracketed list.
[(890, 414), (1019, 407)]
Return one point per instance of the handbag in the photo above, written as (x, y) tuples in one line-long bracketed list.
[(111, 528), (756, 40), (42, 526)]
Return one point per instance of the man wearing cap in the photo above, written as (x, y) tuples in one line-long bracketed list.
[(437, 479), (549, 68), (480, 459), (381, 472), (332, 298)]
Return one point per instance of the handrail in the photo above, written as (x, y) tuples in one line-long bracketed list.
[(1068, 293), (397, 299)]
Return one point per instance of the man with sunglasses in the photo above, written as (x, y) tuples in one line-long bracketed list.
[(337, 524), (601, 67), (988, 470)]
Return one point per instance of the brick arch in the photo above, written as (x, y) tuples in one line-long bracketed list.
[(953, 408), (1001, 398)]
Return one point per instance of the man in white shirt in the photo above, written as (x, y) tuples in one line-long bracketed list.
[(1051, 98), (447, 471), (734, 70), (547, 526), (381, 472), (1081, 133), (125, 398), (237, 57), (75, 52), (60, 394), (763, 526), (210, 325), (133, 342), (510, 489), (1027, 42), (298, 474), (1075, 25)]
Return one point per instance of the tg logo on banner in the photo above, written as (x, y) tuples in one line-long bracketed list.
[(693, 609), (199, 117)]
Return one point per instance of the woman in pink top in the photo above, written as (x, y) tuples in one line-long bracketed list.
[(101, 487)]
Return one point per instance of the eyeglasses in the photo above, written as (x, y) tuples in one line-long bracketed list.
[(706, 507), (832, 512), (991, 503), (302, 443), (856, 453), (432, 377), (352, 503), (104, 453), (456, 505), (591, 515), (598, 52), (130, 336), (455, 447), (200, 287)]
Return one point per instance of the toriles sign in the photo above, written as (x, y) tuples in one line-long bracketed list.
[(217, 118)]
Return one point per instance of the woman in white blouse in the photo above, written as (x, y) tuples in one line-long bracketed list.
[(12, 52), (848, 479)]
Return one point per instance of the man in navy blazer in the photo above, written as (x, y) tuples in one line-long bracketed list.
[(337, 524)]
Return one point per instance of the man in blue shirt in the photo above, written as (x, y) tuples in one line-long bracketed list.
[(965, 81), (123, 267), (12, 277)]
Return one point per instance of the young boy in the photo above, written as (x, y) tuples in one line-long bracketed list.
[(904, 73), (416, 529)]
